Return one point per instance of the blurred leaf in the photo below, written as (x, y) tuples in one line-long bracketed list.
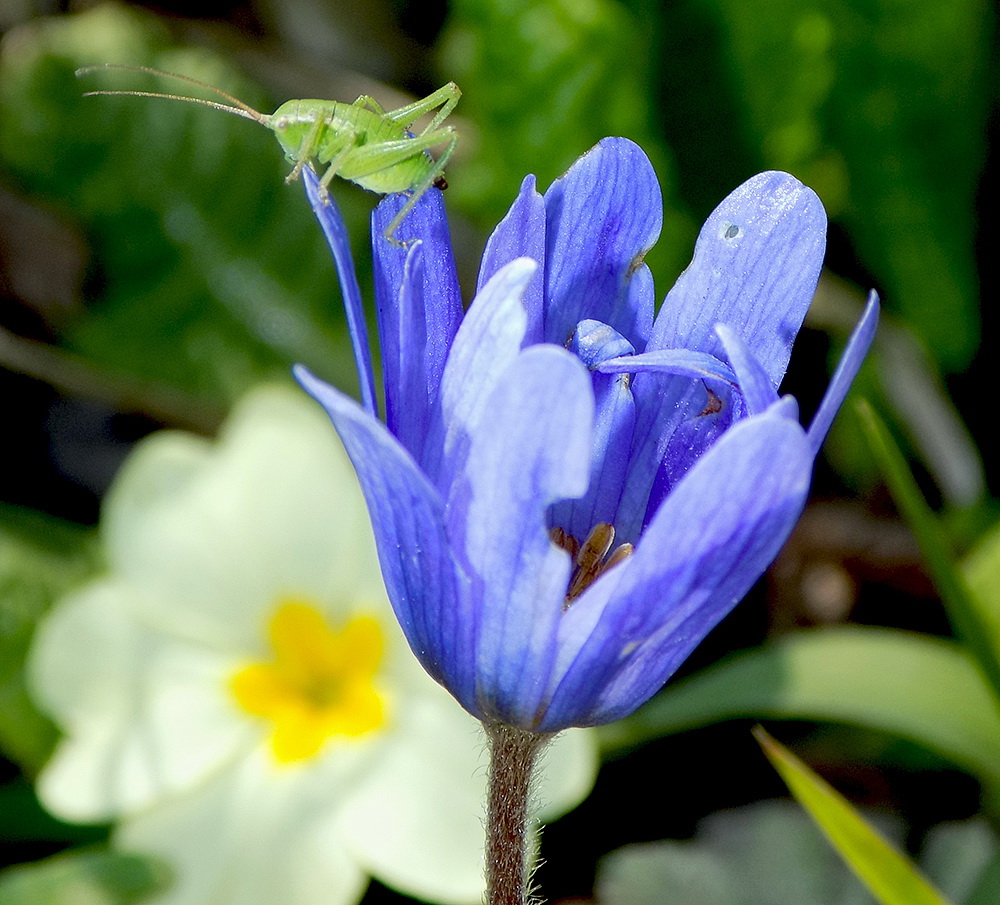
[(891, 876), (915, 394), (772, 853), (981, 569), (23, 819), (83, 878), (40, 558), (963, 859), (213, 273), (766, 854), (563, 89), (881, 106), (973, 617), (907, 384), (987, 889), (923, 688)]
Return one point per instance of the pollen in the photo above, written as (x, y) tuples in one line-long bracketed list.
[(319, 685), (591, 559)]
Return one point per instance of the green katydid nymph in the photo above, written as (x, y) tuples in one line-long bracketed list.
[(360, 142)]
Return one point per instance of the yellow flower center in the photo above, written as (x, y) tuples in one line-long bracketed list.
[(319, 684)]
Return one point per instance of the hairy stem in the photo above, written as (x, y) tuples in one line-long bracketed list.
[(513, 753)]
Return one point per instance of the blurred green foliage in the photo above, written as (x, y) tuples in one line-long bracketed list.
[(973, 616), (209, 272), (913, 685), (87, 877), (40, 559), (771, 854)]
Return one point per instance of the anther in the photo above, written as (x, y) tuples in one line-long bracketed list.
[(714, 404), (623, 552), (565, 541), (590, 559)]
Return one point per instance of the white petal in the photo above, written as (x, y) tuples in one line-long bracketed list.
[(416, 822), (144, 715), (272, 510), (249, 837)]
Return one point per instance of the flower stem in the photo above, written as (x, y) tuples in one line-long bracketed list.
[(513, 753)]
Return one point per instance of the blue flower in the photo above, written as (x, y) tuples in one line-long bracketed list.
[(569, 490)]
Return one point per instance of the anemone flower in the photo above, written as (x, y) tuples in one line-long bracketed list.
[(570, 489)]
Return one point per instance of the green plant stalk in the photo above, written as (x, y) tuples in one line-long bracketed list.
[(935, 546)]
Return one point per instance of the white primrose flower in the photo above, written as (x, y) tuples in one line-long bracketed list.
[(235, 691)]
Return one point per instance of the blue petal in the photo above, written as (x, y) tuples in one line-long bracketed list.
[(407, 406), (710, 541), (603, 215), (847, 369), (332, 223), (488, 341), (434, 303), (755, 267), (427, 587), (534, 449), (755, 385), (678, 362), (641, 303), (614, 418), (715, 411), (594, 342), (521, 234)]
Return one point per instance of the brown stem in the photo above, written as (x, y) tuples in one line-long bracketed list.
[(513, 753)]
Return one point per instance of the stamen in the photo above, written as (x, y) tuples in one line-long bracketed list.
[(591, 559), (565, 541), (636, 263), (596, 546), (714, 404), (623, 552)]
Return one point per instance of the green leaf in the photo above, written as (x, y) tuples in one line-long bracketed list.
[(981, 569), (922, 688), (972, 617), (891, 877), (882, 108), (40, 558), (83, 878), (210, 273)]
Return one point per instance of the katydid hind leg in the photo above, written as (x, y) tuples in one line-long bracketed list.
[(432, 176), (366, 100), (443, 113), (372, 158), (445, 97)]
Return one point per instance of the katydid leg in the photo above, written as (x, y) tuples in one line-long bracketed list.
[(418, 190)]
